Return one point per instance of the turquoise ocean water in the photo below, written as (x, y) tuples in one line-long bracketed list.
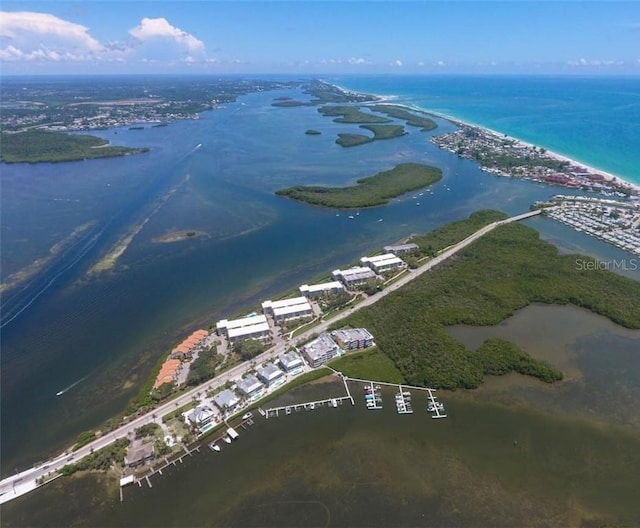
[(594, 120)]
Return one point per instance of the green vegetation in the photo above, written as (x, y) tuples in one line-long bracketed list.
[(145, 430), (368, 364), (204, 367), (452, 233), (371, 191), (83, 439), (351, 114), (249, 348), (379, 132), (34, 146), (488, 281), (499, 357), (312, 132), (411, 119), (101, 460)]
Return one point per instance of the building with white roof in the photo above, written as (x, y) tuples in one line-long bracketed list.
[(320, 350), (402, 248), (201, 415), (250, 386), (352, 338), (287, 309), (253, 327), (290, 361), (382, 263), (353, 276), (317, 290), (226, 400), (270, 375)]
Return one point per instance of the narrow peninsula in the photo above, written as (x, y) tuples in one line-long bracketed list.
[(369, 192)]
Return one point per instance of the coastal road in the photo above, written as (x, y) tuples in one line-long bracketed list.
[(21, 483)]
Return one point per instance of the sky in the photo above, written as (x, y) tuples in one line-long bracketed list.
[(319, 37)]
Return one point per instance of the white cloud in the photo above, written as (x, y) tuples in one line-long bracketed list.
[(358, 60), (159, 28), (440, 63), (397, 63), (29, 36)]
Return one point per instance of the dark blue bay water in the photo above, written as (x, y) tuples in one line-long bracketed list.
[(108, 329), (595, 120)]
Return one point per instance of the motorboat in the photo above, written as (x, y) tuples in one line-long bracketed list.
[(214, 447), (246, 416), (226, 439)]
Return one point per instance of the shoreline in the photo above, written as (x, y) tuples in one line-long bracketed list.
[(609, 177), (392, 99)]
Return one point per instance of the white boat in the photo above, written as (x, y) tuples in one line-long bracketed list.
[(352, 217), (214, 447), (246, 416), (288, 410), (226, 439)]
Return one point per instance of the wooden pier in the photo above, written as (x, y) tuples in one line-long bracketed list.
[(274, 412)]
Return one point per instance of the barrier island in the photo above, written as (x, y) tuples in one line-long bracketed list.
[(369, 192), (35, 146)]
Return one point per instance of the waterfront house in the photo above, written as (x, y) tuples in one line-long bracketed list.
[(138, 453), (402, 249), (270, 375), (320, 350), (168, 372), (317, 290), (352, 338), (226, 400), (383, 263), (250, 387), (290, 362), (288, 309), (253, 327), (201, 416), (355, 276)]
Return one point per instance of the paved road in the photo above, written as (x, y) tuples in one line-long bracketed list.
[(21, 483)]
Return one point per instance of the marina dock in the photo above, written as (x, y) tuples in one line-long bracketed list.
[(402, 404), (274, 412)]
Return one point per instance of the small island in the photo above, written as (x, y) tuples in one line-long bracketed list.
[(379, 132), (179, 236), (412, 119), (351, 114), (36, 146), (312, 132), (369, 192)]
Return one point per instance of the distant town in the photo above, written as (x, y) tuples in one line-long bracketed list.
[(504, 156)]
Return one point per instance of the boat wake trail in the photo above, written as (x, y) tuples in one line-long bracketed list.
[(42, 288), (60, 393)]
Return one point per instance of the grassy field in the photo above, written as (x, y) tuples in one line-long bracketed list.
[(369, 192), (369, 364), (412, 119), (486, 283), (34, 146)]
